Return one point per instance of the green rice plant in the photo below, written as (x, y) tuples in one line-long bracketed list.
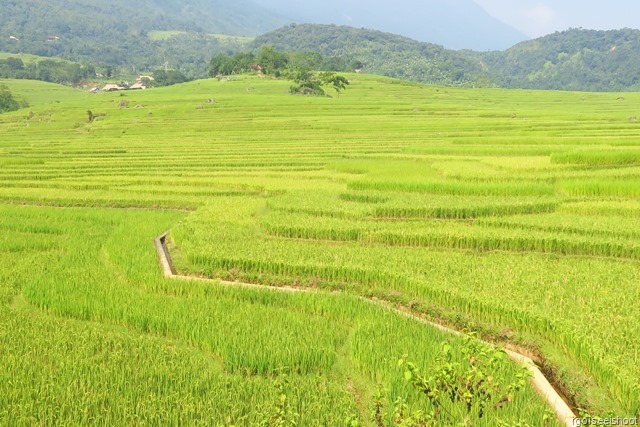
[(570, 223), (439, 199), (455, 187), (598, 157), (186, 352), (436, 283), (601, 187), (606, 208), (465, 208)]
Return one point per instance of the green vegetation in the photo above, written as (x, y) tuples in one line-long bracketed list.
[(165, 35), (127, 36), (378, 53), (122, 40), (7, 100), (275, 62), (82, 300), (570, 60), (310, 83), (46, 70), (297, 67), (502, 212), (465, 383), (575, 59)]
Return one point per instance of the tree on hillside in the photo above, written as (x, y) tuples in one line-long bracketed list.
[(168, 77), (306, 83), (47, 70), (226, 65), (271, 59), (14, 63), (310, 83), (7, 101), (311, 59), (339, 83)]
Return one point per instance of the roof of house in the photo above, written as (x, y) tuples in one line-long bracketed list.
[(112, 87)]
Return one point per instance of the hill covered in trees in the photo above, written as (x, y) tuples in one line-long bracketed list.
[(570, 60), (575, 59), (120, 33), (120, 39), (460, 24), (379, 53)]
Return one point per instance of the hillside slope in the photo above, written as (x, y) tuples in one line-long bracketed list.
[(457, 25), (576, 59), (116, 32), (380, 53), (571, 60), (153, 34)]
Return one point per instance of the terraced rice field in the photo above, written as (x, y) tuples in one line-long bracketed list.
[(511, 213)]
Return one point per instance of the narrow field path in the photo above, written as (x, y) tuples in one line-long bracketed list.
[(542, 385)]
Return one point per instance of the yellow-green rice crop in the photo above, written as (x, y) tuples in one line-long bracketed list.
[(511, 213)]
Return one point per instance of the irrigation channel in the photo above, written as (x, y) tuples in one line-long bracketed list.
[(542, 385)]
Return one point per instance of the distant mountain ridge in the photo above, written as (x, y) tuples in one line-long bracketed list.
[(116, 32), (575, 59), (152, 34), (28, 18), (455, 24), (584, 60)]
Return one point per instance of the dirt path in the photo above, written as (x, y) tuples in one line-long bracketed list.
[(540, 382)]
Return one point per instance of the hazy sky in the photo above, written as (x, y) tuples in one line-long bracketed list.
[(539, 17)]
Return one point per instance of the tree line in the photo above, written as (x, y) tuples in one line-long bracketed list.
[(310, 71), (274, 61), (48, 70), (8, 102)]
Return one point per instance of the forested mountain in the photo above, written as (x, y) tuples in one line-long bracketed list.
[(571, 60), (132, 37), (117, 32), (459, 24), (380, 53)]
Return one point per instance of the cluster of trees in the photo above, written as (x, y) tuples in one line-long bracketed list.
[(47, 70), (378, 53), (274, 61), (308, 82), (70, 73), (299, 67), (8, 102), (168, 77)]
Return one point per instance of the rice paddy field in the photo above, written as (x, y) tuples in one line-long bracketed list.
[(514, 214)]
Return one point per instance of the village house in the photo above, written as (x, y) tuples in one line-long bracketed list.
[(111, 88)]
